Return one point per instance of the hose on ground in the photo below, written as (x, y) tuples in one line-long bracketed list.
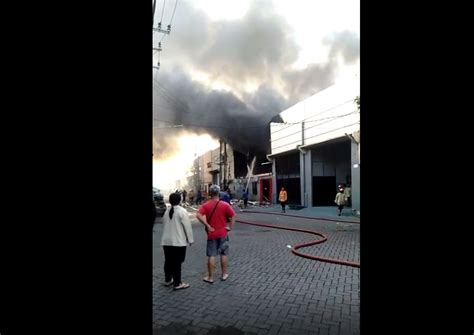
[(307, 244)]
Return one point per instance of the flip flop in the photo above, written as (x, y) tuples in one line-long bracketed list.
[(224, 277), (208, 281), (182, 286)]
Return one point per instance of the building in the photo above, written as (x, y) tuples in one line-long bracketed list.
[(317, 147), (213, 167), (230, 169)]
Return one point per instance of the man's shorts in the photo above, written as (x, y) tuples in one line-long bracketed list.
[(219, 246)]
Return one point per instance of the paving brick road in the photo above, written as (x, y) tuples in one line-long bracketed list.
[(270, 290)]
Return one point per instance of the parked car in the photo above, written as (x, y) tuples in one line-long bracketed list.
[(159, 202)]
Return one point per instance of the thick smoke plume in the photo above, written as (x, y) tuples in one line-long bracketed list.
[(256, 51)]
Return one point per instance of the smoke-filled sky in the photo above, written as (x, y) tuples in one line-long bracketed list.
[(229, 66)]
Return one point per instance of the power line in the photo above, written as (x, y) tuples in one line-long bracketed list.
[(294, 142), (212, 126), (233, 127), (165, 32), (324, 118), (331, 118), (180, 106), (299, 130), (170, 95), (162, 106), (177, 104), (155, 119), (171, 20), (174, 10), (162, 11), (352, 124), (324, 111), (299, 140), (165, 109), (170, 127), (203, 126), (230, 127)]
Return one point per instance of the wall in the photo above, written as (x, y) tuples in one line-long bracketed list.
[(332, 159), (207, 167), (288, 174), (327, 115), (306, 180), (355, 170)]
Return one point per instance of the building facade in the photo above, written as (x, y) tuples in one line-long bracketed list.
[(229, 169), (318, 147)]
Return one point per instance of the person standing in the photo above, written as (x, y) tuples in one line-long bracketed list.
[(198, 197), (191, 196), (224, 196), (214, 215), (245, 196), (340, 200), (177, 235), (283, 198)]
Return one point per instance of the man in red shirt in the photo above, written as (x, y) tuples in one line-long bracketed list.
[(214, 215)]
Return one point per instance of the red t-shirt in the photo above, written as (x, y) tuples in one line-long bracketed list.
[(219, 218)]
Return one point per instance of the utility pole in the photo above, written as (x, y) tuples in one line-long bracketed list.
[(158, 29), (225, 165), (167, 31), (153, 19), (220, 163), (304, 166), (153, 27)]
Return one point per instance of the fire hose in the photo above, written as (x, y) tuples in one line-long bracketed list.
[(303, 217), (302, 245)]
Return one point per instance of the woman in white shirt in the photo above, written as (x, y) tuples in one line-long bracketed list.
[(177, 234)]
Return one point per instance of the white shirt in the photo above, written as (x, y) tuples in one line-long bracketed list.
[(173, 232)]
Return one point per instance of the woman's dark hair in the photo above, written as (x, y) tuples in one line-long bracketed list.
[(175, 199)]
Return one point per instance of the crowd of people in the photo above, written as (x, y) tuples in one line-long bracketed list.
[(189, 198)]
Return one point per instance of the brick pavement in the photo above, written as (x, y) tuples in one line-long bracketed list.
[(270, 290)]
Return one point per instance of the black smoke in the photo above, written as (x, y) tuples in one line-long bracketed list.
[(256, 51), (244, 125)]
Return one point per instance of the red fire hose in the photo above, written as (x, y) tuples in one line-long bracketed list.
[(302, 217), (302, 245)]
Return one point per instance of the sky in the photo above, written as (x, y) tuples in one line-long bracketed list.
[(228, 67)]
